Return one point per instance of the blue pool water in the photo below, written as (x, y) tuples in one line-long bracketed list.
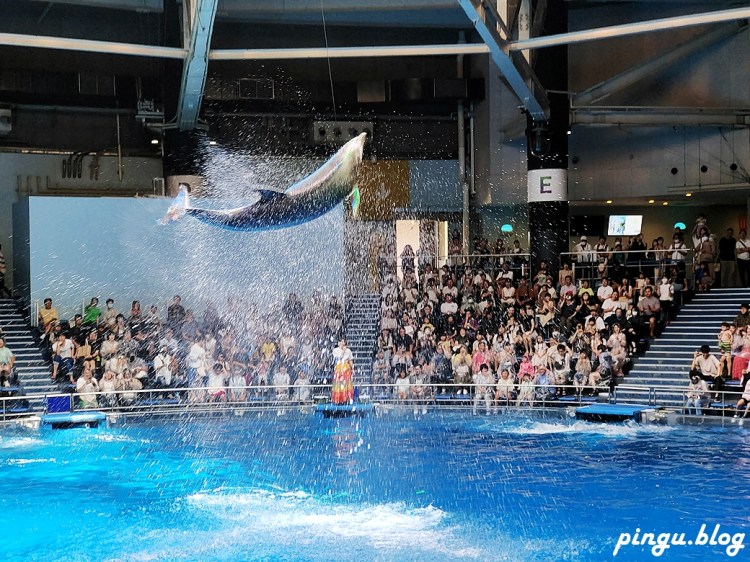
[(448, 486)]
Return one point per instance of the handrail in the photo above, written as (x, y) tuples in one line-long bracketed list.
[(270, 396)]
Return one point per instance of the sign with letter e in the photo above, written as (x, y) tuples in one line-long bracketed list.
[(547, 185)]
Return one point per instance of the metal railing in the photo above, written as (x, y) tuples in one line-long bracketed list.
[(201, 399)]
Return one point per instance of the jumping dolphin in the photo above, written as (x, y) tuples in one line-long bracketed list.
[(304, 201)]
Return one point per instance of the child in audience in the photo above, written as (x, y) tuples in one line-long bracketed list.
[(725, 348)]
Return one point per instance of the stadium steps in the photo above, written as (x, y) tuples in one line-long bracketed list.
[(667, 361), (362, 322), (33, 372)]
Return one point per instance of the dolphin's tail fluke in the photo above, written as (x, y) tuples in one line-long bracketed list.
[(356, 199), (177, 209)]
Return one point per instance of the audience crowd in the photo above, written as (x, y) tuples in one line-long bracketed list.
[(105, 354)]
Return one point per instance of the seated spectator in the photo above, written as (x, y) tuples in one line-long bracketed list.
[(505, 391), (162, 367), (7, 361), (128, 385), (703, 277), (461, 364), (402, 384), (302, 388), (381, 372), (566, 278), (483, 381), (708, 367), (743, 403), (650, 307), (108, 386), (559, 361), (281, 383), (63, 351), (696, 395), (86, 387), (582, 372), (47, 315), (526, 391), (216, 386)]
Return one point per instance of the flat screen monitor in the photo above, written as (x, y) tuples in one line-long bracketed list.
[(624, 225)]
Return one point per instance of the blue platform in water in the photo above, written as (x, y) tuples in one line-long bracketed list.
[(68, 420), (611, 412), (331, 410)]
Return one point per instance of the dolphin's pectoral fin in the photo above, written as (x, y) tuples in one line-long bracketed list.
[(269, 194), (355, 197)]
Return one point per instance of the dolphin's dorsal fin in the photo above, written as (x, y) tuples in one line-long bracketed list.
[(269, 194)]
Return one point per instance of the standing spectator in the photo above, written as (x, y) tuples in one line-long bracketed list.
[(162, 370), (110, 312), (727, 255), (585, 257), (701, 225), (3, 288), (92, 312), (677, 252), (175, 313), (742, 251), (666, 297), (195, 359)]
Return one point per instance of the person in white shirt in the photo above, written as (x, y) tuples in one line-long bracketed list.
[(609, 305), (237, 387), (697, 392), (161, 367), (86, 387), (665, 291), (604, 291), (483, 382), (215, 386), (281, 382), (195, 364), (742, 251), (62, 357), (448, 307), (302, 387)]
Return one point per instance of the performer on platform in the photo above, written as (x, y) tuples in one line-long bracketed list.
[(343, 389)]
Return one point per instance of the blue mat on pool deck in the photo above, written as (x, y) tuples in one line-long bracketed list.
[(74, 419), (341, 410), (611, 412)]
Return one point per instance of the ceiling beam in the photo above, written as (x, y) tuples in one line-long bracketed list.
[(636, 28), (90, 46), (349, 52), (199, 26), (514, 68), (638, 72)]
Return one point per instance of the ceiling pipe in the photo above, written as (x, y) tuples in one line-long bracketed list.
[(612, 31)]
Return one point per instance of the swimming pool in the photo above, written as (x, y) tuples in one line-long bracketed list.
[(295, 486)]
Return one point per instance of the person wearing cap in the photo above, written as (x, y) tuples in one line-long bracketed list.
[(743, 316), (697, 393)]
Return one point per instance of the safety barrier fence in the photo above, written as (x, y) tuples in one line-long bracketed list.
[(454, 395)]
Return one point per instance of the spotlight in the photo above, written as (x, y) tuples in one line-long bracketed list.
[(673, 171), (321, 132), (212, 143), (665, 203), (651, 201), (352, 132), (733, 167), (337, 132), (154, 141), (609, 201), (704, 168), (688, 195)]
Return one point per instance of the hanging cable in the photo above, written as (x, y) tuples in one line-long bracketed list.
[(328, 59)]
